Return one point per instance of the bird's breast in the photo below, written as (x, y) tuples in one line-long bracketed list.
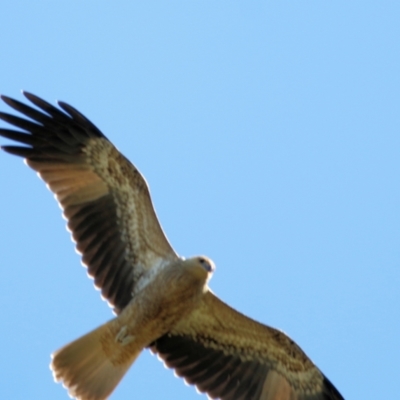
[(166, 299)]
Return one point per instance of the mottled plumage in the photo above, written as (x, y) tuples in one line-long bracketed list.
[(162, 301)]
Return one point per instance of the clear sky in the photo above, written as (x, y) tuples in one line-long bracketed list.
[(269, 135)]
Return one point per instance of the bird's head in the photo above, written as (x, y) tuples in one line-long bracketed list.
[(201, 267)]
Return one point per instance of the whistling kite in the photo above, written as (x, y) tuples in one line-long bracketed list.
[(162, 301)]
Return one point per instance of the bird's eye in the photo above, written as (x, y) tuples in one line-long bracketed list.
[(207, 265)]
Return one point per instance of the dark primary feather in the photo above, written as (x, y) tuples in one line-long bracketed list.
[(223, 376), (53, 143), (232, 357)]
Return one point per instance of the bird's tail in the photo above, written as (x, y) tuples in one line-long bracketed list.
[(92, 366)]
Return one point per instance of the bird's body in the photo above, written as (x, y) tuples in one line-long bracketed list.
[(162, 300), (114, 346)]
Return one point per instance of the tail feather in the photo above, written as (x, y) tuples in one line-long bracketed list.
[(93, 365)]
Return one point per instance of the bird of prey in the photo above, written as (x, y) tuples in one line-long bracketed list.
[(161, 300)]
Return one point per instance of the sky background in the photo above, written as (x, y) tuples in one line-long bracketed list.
[(269, 135)]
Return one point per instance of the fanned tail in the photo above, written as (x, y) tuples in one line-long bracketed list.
[(93, 365)]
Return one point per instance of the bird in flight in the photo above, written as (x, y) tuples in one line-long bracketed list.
[(162, 301)]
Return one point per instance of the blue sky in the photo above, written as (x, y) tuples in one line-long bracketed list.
[(269, 135)]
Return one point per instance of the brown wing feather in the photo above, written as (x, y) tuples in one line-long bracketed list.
[(232, 357), (104, 198)]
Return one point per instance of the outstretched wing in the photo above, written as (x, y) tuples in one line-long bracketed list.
[(104, 198), (232, 357)]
